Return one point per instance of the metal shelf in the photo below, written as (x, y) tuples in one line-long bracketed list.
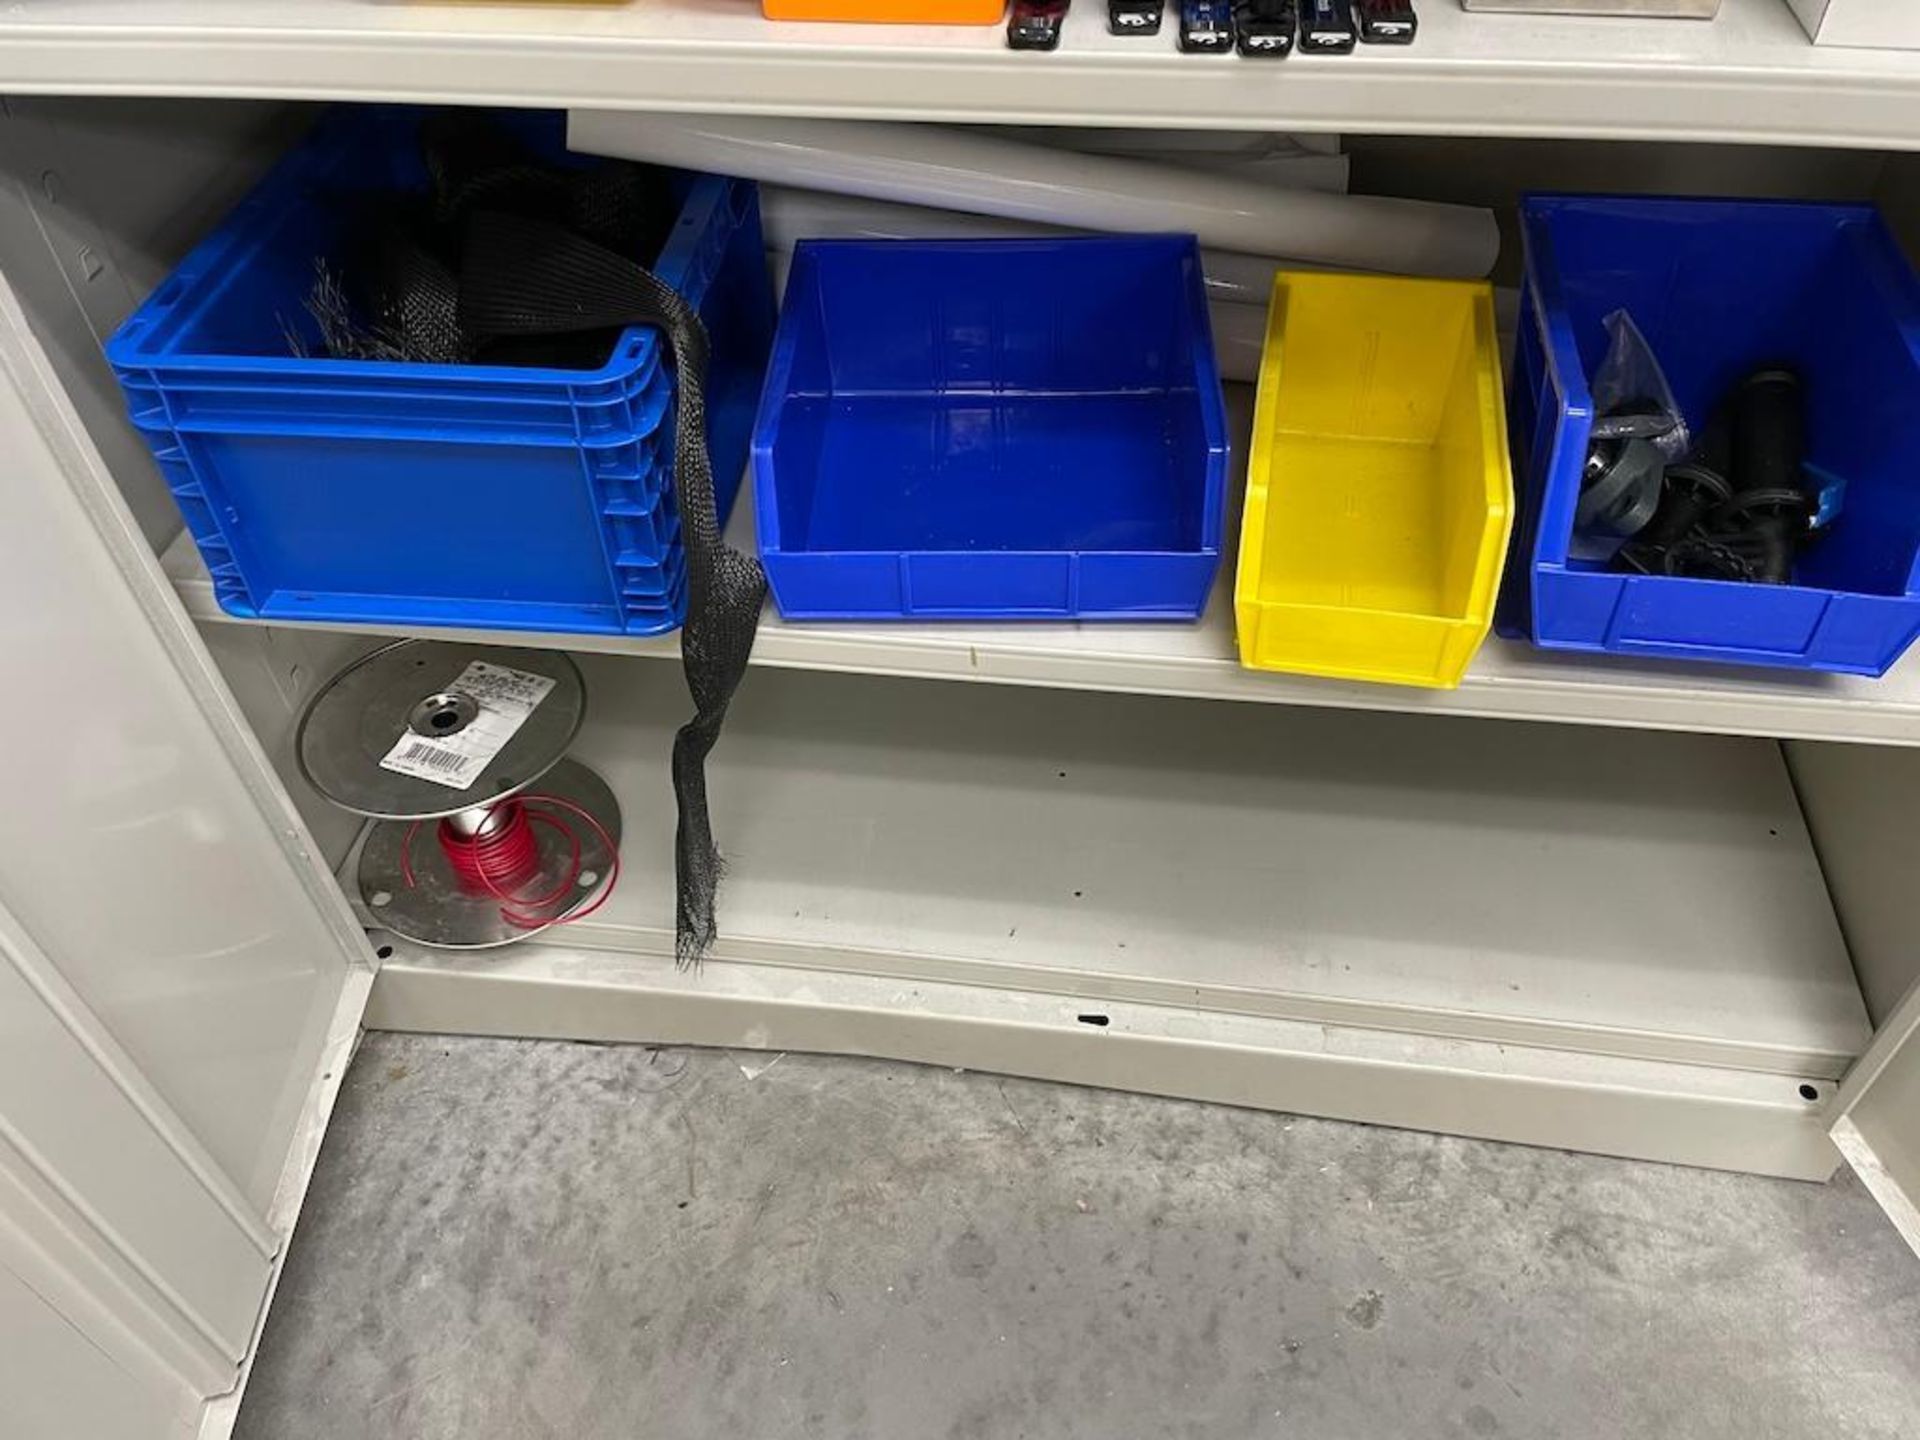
[(1509, 680), (1367, 866), (1750, 75), (1429, 924)]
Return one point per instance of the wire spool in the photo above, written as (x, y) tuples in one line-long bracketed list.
[(484, 832)]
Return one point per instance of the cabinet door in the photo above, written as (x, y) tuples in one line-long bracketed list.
[(178, 976), (1860, 802), (1878, 1126)]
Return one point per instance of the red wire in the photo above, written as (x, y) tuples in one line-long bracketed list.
[(500, 857), (501, 860), (613, 853)]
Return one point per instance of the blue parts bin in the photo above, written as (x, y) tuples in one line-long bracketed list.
[(380, 492), (992, 429), (1723, 289)]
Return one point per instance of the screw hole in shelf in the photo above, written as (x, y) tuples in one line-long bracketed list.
[(1809, 1092), (385, 952)]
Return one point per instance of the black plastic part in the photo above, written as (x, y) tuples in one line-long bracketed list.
[(1771, 510), (1701, 557), (1767, 527), (1386, 22), (1741, 509), (1134, 17), (1035, 24), (1264, 29), (1689, 493), (1326, 26), (1206, 26), (1769, 432), (1713, 447), (1620, 489)]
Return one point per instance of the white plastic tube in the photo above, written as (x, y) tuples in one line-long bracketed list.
[(962, 170), (1239, 335), (1261, 157), (788, 215)]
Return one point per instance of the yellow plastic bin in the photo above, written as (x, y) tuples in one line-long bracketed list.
[(1379, 494)]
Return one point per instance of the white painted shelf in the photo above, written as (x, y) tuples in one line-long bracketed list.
[(1639, 897), (1750, 75), (1509, 680)]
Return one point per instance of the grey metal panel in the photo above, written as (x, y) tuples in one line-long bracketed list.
[(1749, 75), (74, 1130), (1878, 1122), (174, 960), (1688, 1114), (55, 1384), (149, 854), (1863, 809), (99, 199), (272, 672), (1624, 893)]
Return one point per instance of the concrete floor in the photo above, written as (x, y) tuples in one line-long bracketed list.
[(513, 1239)]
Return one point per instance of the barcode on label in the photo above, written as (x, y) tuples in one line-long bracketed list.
[(502, 697), (433, 757)]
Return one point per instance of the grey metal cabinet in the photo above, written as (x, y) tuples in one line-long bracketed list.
[(1025, 877)]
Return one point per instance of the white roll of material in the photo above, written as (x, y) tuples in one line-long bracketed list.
[(788, 215), (963, 170)]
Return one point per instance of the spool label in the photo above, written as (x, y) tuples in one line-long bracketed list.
[(505, 697)]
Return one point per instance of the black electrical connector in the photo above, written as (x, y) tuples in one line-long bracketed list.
[(1035, 24), (1206, 26), (1134, 17), (1326, 26), (1386, 22), (1264, 29)]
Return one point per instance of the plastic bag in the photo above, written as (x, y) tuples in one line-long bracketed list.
[(1631, 397), (1638, 431)]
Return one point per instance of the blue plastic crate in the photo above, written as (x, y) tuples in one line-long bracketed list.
[(992, 429), (484, 496), (1721, 288)]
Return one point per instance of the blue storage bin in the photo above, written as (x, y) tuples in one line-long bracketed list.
[(992, 429), (1721, 288), (485, 496)]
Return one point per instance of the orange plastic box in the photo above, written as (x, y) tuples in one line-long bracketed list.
[(893, 12)]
